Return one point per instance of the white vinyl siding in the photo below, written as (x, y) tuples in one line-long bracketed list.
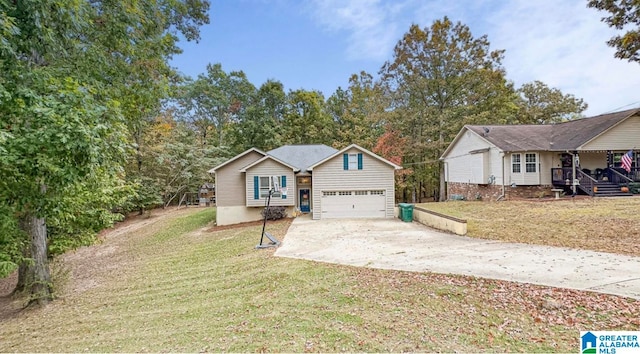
[(231, 184), (622, 137), (265, 169), (331, 177), (463, 166)]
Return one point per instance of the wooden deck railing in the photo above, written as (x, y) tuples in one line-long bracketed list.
[(616, 176), (559, 176), (586, 182)]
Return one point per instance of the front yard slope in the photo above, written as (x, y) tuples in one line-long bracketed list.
[(180, 285)]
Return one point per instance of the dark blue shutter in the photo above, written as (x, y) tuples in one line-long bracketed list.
[(284, 184), (256, 188), (359, 161), (345, 158)]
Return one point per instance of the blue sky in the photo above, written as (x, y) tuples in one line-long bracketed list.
[(318, 44)]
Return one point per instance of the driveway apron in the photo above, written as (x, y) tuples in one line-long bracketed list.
[(393, 244)]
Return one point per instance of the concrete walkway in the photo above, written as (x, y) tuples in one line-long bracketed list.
[(393, 244)]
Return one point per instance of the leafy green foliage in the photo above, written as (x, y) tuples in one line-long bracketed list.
[(358, 112), (623, 15), (170, 161), (306, 120), (214, 101), (541, 104), (11, 241), (262, 125), (75, 79), (441, 78)]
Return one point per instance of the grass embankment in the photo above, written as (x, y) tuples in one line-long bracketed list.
[(599, 224), (179, 287)]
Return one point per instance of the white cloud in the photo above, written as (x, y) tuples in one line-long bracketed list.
[(562, 43), (370, 25)]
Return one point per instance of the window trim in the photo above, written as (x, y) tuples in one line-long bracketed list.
[(514, 164), (353, 161), (262, 188), (533, 163)]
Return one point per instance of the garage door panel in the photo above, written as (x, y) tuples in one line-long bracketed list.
[(353, 204)]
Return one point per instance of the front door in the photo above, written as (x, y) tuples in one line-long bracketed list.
[(305, 201)]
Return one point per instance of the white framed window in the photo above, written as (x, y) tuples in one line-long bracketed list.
[(328, 194), (377, 192), (266, 184), (353, 161), (344, 193), (515, 163), (531, 163)]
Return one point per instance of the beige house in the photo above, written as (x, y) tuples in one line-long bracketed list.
[(580, 156), (317, 179)]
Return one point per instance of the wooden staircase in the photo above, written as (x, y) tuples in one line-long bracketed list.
[(609, 189)]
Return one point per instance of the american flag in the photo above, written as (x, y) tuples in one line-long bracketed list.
[(626, 160)]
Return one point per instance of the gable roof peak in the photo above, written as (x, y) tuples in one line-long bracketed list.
[(236, 157)]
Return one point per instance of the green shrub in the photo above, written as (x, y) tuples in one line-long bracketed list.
[(274, 212), (634, 187)]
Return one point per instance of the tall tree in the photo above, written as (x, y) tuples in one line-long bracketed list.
[(358, 112), (174, 161), (306, 119), (624, 15), (441, 78), (541, 104), (214, 101), (262, 124), (67, 71)]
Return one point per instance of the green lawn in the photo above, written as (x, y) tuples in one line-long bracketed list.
[(176, 286), (599, 224)]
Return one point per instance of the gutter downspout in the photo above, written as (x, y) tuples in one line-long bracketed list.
[(502, 195)]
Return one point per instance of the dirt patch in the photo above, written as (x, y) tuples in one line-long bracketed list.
[(84, 267), (112, 256)]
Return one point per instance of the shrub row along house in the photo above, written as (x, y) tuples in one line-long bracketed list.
[(583, 156), (316, 179)]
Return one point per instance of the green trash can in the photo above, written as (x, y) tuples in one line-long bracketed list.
[(406, 212)]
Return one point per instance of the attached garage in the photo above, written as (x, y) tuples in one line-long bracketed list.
[(353, 183), (353, 204)]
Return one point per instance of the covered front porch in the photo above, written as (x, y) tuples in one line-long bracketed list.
[(596, 173)]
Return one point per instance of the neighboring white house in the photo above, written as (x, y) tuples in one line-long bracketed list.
[(350, 183), (493, 162)]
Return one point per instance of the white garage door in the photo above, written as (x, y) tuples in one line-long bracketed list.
[(353, 204)]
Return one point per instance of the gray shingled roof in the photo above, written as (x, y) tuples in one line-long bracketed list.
[(515, 137), (302, 156), (553, 137)]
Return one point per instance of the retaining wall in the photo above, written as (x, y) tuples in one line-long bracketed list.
[(440, 221)]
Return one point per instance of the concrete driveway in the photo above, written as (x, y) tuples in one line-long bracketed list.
[(393, 244)]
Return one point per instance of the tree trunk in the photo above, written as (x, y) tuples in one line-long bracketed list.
[(25, 271), (33, 275), (443, 188)]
